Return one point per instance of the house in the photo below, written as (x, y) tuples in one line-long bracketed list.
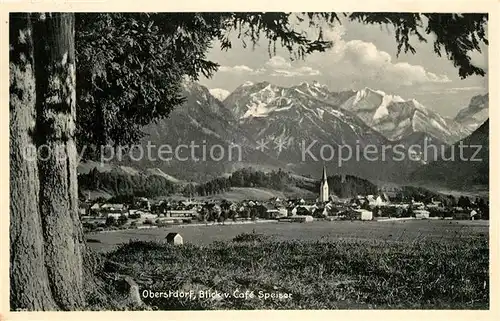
[(474, 215), (143, 215), (275, 200), (273, 211), (435, 204), (421, 214), (301, 218), (418, 205), (379, 200), (302, 210), (115, 215), (114, 209), (141, 203), (364, 215), (95, 209), (174, 238), (83, 209), (190, 203), (181, 213), (282, 211)]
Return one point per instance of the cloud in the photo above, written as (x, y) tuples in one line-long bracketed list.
[(362, 61), (278, 66), (240, 69), (302, 71), (453, 90), (278, 62)]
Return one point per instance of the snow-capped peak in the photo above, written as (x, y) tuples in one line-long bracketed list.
[(219, 93), (418, 105), (317, 84), (247, 84)]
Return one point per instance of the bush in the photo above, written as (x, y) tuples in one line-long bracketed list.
[(89, 227), (122, 220), (250, 237), (461, 216), (148, 222), (110, 221), (438, 212), (388, 211), (134, 216)]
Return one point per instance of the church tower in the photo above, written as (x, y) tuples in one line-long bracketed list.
[(324, 193)]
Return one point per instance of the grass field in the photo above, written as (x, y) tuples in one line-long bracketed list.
[(319, 265), (397, 231)]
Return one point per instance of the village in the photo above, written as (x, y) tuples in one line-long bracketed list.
[(141, 212)]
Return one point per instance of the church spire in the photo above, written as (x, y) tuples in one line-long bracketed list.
[(324, 193), (324, 178)]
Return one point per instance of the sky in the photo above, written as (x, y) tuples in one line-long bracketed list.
[(362, 56)]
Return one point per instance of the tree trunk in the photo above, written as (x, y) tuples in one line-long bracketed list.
[(46, 236), (29, 288)]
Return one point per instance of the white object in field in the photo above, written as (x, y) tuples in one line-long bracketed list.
[(174, 238)]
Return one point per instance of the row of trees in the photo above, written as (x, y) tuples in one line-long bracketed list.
[(224, 212), (246, 177), (249, 177), (350, 186), (212, 187), (123, 184)]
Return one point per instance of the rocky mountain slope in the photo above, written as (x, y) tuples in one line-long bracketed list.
[(476, 113), (457, 171), (293, 119), (396, 118), (213, 131)]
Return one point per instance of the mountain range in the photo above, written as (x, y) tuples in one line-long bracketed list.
[(274, 125), (397, 118)]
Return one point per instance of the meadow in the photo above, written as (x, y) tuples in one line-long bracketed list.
[(395, 231), (322, 265)]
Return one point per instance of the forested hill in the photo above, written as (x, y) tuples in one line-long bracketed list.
[(119, 183)]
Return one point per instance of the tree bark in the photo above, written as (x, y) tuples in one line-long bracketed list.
[(47, 216), (29, 288)]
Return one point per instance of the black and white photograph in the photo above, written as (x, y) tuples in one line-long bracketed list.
[(168, 161)]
